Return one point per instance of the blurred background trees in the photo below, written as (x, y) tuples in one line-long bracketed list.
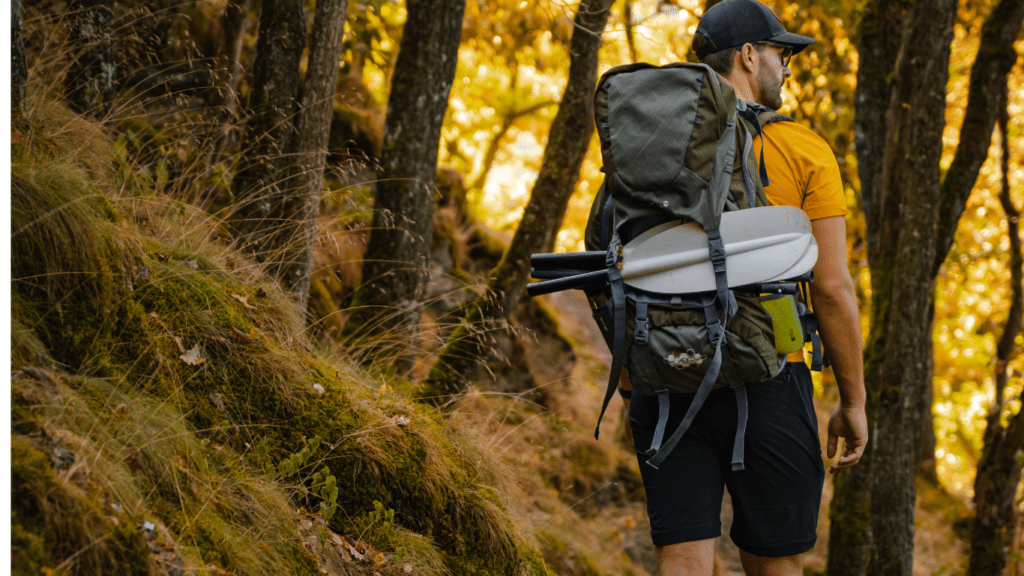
[(304, 130)]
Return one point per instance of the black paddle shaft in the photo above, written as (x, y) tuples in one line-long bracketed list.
[(568, 283), (569, 261)]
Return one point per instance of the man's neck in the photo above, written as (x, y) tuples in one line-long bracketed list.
[(741, 85)]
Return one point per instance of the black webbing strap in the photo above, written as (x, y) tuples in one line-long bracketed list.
[(716, 333), (810, 323), (619, 339), (741, 426), (716, 249), (641, 337), (748, 180), (659, 429), (750, 115)]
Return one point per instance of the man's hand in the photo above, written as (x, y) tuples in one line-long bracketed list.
[(850, 423)]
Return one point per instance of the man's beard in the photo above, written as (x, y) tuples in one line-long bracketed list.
[(769, 89)]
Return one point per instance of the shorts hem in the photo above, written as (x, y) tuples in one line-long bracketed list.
[(690, 534), (776, 551)]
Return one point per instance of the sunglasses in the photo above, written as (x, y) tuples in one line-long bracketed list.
[(785, 54)]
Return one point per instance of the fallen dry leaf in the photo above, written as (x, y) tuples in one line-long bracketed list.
[(132, 460), (191, 264), (180, 345), (244, 300), (160, 256), (319, 389), (355, 553), (379, 559), (218, 400), (401, 421), (407, 568), (240, 336), (192, 357)]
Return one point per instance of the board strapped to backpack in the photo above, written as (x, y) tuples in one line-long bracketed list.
[(677, 150)]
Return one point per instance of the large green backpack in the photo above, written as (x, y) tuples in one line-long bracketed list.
[(677, 146)]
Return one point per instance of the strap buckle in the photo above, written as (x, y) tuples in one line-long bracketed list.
[(640, 335)]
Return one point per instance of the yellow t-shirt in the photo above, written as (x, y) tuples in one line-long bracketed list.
[(803, 173)]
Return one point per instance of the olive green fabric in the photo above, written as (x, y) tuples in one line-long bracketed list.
[(673, 146), (680, 350)]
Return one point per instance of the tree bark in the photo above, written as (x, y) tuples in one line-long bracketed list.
[(627, 19), (910, 180), (996, 57), (301, 203), (387, 306), (234, 24), (911, 216), (19, 66), (285, 147), (568, 141), (995, 484), (880, 33), (270, 130), (90, 83)]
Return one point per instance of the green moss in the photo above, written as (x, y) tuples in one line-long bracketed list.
[(120, 309), (54, 523)]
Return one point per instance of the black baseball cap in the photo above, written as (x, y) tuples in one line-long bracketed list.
[(732, 23)]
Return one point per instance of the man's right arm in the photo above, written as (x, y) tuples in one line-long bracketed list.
[(835, 305)]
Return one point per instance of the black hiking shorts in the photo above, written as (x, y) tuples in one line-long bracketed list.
[(775, 499)]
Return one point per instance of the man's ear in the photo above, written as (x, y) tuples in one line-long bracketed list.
[(748, 59)]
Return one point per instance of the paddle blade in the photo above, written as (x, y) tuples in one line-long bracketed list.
[(761, 244)]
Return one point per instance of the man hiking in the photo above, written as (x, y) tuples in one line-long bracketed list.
[(777, 496)]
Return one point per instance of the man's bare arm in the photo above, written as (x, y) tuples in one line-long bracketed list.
[(835, 305)]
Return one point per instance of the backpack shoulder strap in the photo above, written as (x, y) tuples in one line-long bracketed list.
[(768, 116)]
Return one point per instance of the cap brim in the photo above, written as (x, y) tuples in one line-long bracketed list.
[(796, 41)]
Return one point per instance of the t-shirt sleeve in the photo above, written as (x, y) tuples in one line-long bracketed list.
[(824, 196), (804, 171)]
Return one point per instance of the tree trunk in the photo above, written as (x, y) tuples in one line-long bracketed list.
[(386, 307), (19, 66), (269, 132), (911, 218), (926, 469), (90, 83), (627, 20), (234, 24), (301, 203), (995, 484), (880, 31), (910, 180), (996, 57), (568, 141), (285, 148)]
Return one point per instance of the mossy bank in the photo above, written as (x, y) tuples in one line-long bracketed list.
[(170, 415)]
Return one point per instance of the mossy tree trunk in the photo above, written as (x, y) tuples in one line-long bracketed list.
[(386, 307), (234, 23), (568, 141), (911, 214), (19, 66), (90, 84), (880, 32), (999, 472), (284, 151), (269, 130), (301, 203)]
